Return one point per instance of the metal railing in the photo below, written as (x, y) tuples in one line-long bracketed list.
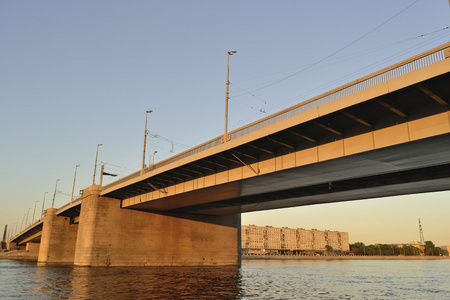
[(412, 64)]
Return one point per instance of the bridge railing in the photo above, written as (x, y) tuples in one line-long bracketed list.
[(412, 64)]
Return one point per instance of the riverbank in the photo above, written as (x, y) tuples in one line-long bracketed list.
[(29, 256), (323, 257)]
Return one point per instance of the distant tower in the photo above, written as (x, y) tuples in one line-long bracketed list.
[(4, 233), (422, 240), (3, 242)]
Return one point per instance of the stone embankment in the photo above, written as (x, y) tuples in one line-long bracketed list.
[(337, 257), (19, 255)]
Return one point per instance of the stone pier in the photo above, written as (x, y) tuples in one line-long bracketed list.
[(111, 236), (58, 239)]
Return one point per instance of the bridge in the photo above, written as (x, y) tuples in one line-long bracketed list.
[(382, 135)]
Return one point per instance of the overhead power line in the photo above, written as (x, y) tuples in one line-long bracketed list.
[(350, 56), (336, 52), (360, 71), (173, 143)]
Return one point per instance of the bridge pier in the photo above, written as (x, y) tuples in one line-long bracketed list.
[(58, 239), (111, 236)]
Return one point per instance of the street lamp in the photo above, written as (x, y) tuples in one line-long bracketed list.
[(145, 141), (23, 219), (34, 211), (95, 165), (73, 186), (54, 193), (226, 138), (43, 202), (17, 224), (26, 221)]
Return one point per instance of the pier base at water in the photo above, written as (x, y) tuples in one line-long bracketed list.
[(111, 236), (58, 239)]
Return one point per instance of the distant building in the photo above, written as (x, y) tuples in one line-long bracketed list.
[(446, 247), (268, 239), (416, 244)]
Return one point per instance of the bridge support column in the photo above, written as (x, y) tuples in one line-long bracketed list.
[(58, 239), (11, 246), (111, 236)]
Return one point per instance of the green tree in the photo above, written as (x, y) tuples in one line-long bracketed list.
[(410, 250), (429, 248), (357, 248), (371, 250), (438, 251)]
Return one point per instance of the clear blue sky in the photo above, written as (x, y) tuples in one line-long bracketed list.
[(77, 73)]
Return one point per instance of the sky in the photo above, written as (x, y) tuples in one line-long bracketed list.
[(75, 74)]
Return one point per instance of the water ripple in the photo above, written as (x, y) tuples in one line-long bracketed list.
[(254, 280)]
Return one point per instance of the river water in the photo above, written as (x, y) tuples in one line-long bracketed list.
[(256, 279)]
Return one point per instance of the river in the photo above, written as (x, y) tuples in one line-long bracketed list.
[(256, 279)]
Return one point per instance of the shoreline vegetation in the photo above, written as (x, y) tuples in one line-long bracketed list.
[(341, 257)]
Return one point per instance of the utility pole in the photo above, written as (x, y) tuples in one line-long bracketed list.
[(17, 224), (95, 164), (101, 175), (23, 219), (43, 202), (225, 135), (34, 211), (145, 141), (26, 221), (73, 186), (54, 193), (3, 242), (4, 233)]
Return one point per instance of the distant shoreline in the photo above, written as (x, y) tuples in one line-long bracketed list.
[(347, 257), (33, 257)]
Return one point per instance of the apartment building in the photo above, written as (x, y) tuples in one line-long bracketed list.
[(268, 239)]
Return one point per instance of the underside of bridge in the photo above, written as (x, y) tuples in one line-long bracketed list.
[(33, 235), (401, 169), (355, 185)]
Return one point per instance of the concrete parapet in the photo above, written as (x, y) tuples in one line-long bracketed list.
[(58, 239), (111, 236)]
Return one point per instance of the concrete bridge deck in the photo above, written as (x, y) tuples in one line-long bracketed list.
[(33, 233)]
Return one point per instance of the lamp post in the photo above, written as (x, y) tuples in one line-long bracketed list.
[(23, 219), (95, 164), (145, 141), (73, 186), (225, 135), (17, 225), (26, 221), (54, 193), (43, 202), (34, 211)]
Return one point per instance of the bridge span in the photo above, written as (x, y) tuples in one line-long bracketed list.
[(384, 134)]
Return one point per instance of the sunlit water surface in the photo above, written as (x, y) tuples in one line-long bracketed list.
[(353, 279)]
